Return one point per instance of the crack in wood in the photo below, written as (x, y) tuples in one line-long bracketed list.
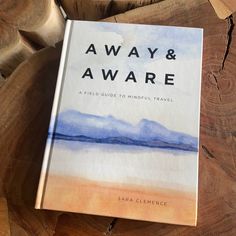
[(76, 8), (56, 223), (115, 19), (229, 39), (231, 25), (109, 8), (2, 76), (207, 152), (217, 85), (111, 227)]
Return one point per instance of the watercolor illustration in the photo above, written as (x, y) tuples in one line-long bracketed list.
[(118, 155), (73, 125)]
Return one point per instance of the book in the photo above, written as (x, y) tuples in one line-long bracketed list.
[(123, 139)]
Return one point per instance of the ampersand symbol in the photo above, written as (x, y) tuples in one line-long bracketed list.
[(170, 54)]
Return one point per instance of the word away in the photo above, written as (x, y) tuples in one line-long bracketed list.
[(133, 51)]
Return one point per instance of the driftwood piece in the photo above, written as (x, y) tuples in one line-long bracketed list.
[(13, 49), (4, 222), (98, 9), (41, 20), (224, 8), (25, 110)]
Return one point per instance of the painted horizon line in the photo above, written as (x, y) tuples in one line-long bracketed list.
[(74, 126)]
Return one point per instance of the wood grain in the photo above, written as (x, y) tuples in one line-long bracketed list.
[(14, 49), (164, 12), (223, 8), (82, 225), (4, 223), (98, 9), (26, 102), (27, 98), (41, 20)]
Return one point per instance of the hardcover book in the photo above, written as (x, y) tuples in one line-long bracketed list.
[(124, 133)]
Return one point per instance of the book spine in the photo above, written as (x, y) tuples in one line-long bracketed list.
[(60, 78), (199, 115)]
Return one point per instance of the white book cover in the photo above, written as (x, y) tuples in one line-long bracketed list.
[(124, 133)]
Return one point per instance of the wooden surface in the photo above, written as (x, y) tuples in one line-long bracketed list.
[(41, 21), (4, 222), (14, 49), (98, 9), (26, 26), (224, 8), (26, 99)]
